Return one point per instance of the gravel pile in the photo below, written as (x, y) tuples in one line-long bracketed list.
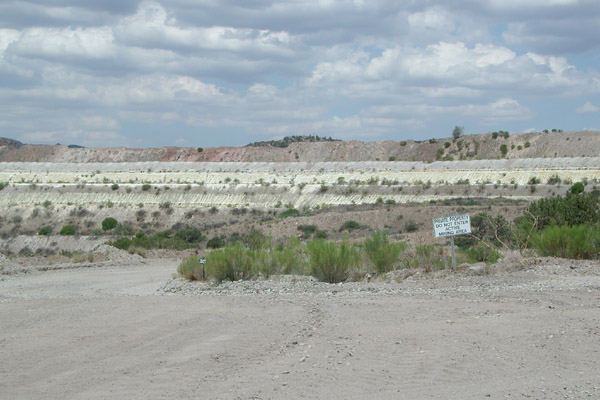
[(117, 256)]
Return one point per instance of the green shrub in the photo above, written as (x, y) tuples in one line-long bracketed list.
[(114, 186), (47, 203), (575, 242), (494, 135), (350, 226), (330, 262), (230, 263), (504, 150), (121, 243), (2, 185), (146, 187), (291, 258), (577, 188), (573, 209), (67, 230), (254, 239), (191, 236), (109, 223), (534, 180), (290, 212), (46, 230), (215, 242), (391, 158), (527, 145), (200, 149), (482, 252), (188, 267), (382, 253)]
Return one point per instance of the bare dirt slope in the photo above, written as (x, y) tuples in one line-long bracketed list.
[(130, 332), (469, 147)]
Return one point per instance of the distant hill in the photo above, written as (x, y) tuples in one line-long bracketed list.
[(10, 142), (314, 149)]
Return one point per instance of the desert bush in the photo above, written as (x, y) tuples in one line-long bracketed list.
[(534, 180), (47, 203), (411, 226), (320, 234), (188, 267), (577, 188), (307, 230), (191, 235), (215, 242), (575, 242), (146, 187), (124, 230), (350, 226), (109, 223), (67, 230), (554, 180), (46, 230), (2, 185), (482, 252), (140, 251), (382, 253), (264, 262), (254, 239), (573, 209), (484, 227), (427, 256), (290, 212), (120, 243), (230, 263), (504, 150), (291, 258), (330, 262), (114, 186)]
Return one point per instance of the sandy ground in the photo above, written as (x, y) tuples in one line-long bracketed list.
[(131, 332)]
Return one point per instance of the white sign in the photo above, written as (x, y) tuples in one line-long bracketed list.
[(452, 225), (202, 261)]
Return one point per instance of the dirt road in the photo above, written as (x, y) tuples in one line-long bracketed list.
[(113, 333)]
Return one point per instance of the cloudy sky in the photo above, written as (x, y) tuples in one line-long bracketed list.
[(229, 72)]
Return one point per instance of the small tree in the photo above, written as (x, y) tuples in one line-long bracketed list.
[(457, 131)]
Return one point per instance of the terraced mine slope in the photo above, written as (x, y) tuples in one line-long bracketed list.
[(267, 185)]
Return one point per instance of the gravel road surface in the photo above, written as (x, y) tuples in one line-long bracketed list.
[(134, 332)]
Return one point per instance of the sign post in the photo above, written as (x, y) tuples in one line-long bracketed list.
[(202, 261), (452, 225)]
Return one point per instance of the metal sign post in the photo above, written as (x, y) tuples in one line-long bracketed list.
[(203, 262), (452, 225)]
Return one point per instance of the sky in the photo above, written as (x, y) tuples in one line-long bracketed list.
[(206, 73)]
